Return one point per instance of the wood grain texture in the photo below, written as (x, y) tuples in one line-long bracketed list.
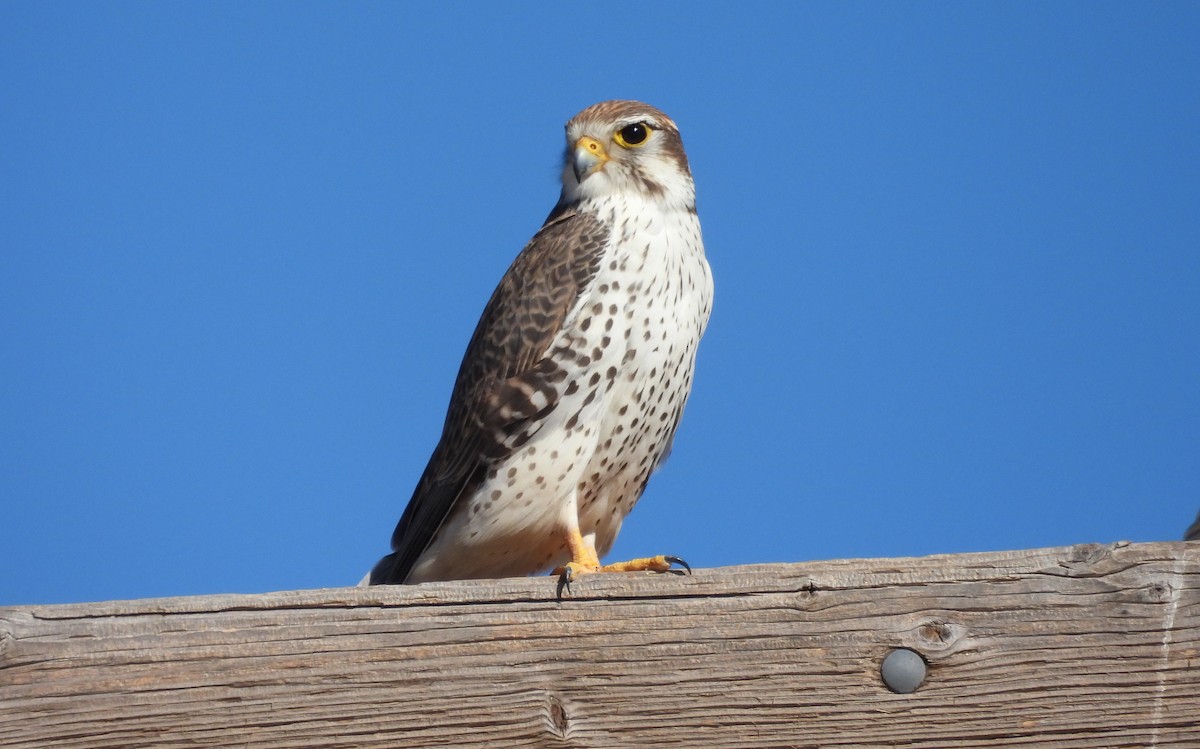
[(1087, 646)]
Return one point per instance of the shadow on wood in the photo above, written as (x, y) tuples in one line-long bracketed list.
[(1087, 646)]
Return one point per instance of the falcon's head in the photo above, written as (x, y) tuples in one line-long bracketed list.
[(626, 147)]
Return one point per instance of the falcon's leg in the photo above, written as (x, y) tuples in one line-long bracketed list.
[(584, 560)]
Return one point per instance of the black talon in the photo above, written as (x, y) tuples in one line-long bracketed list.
[(680, 562), (564, 582)]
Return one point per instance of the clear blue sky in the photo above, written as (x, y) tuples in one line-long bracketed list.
[(243, 245)]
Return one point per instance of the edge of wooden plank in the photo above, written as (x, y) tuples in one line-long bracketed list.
[(797, 577)]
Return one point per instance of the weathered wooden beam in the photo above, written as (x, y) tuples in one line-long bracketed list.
[(1087, 646)]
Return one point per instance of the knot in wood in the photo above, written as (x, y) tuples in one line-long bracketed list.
[(1087, 553), (1159, 591), (558, 722), (937, 634)]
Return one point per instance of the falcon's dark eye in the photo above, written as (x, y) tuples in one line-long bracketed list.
[(632, 136)]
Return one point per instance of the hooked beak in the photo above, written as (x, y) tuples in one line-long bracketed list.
[(588, 156)]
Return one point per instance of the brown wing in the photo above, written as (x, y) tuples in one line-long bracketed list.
[(506, 384)]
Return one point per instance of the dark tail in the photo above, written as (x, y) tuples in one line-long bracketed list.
[(386, 571)]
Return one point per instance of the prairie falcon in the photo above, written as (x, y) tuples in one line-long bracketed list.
[(572, 386)]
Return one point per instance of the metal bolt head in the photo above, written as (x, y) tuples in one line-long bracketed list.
[(903, 670)]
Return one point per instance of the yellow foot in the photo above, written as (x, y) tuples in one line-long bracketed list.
[(584, 561), (660, 563), (572, 570)]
